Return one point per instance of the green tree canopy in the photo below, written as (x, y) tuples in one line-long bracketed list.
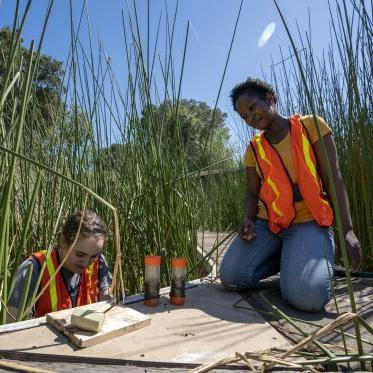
[(203, 138), (47, 83), (189, 130)]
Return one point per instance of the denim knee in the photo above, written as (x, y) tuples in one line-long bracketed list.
[(238, 279), (307, 297)]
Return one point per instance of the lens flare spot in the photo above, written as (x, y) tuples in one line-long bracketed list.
[(266, 34)]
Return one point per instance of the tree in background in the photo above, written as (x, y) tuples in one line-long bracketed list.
[(47, 84), (205, 142), (186, 128)]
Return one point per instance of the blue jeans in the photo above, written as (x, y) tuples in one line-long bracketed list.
[(302, 253)]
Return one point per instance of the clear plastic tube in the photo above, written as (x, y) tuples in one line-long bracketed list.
[(152, 280), (178, 276)]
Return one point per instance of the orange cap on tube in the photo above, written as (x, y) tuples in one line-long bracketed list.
[(153, 260), (178, 262)]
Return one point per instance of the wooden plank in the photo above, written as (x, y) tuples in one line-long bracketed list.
[(20, 325), (11, 365), (118, 321), (66, 363), (76, 367)]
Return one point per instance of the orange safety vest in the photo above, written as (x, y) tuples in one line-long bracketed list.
[(276, 191), (56, 297)]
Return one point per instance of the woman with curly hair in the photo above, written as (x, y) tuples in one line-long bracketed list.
[(84, 276)]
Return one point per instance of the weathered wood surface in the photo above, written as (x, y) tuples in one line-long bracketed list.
[(130, 367), (207, 327), (363, 294), (20, 325), (61, 363), (7, 365), (119, 320), (74, 367)]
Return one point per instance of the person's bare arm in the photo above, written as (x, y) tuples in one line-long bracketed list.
[(352, 243), (253, 183)]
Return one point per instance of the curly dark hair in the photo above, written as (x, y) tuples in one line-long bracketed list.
[(252, 86), (92, 225)]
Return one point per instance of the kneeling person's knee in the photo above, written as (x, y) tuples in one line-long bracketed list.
[(235, 280), (307, 297)]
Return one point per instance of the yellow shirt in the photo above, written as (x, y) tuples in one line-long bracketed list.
[(284, 150)]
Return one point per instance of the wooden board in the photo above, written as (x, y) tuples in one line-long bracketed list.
[(118, 321)]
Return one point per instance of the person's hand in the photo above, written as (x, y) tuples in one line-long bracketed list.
[(354, 249), (247, 231)]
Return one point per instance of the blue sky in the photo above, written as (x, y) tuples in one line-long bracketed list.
[(212, 24)]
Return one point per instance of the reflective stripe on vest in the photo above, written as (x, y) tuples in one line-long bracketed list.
[(276, 191), (52, 286), (90, 275)]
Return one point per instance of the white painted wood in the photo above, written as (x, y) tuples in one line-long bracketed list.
[(27, 324)]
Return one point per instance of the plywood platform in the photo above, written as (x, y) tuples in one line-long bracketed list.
[(205, 328)]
